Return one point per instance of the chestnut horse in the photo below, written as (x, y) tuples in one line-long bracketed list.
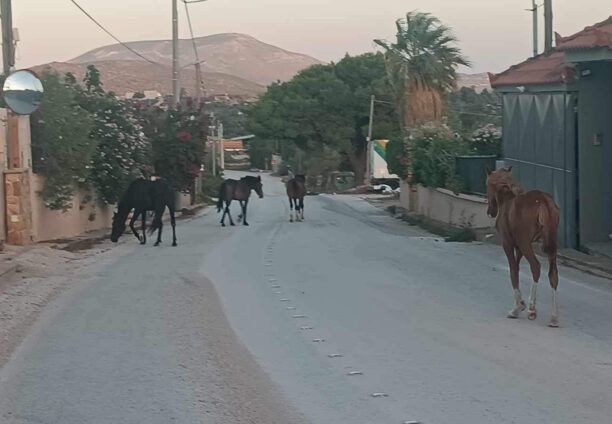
[(522, 219), (296, 190)]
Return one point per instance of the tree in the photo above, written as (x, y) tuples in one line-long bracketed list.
[(422, 65), (327, 105), (61, 144), (470, 110), (93, 81), (122, 151)]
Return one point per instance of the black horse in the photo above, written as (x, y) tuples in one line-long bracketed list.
[(238, 190), (143, 196)]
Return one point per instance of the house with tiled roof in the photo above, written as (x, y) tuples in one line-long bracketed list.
[(557, 122)]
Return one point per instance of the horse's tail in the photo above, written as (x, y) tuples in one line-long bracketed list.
[(220, 201), (156, 224), (548, 219)]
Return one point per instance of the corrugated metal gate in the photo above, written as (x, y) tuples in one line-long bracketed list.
[(540, 143)]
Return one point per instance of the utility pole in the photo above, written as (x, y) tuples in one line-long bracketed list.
[(367, 175), (8, 48), (214, 157), (548, 25), (198, 87), (534, 14), (221, 146), (175, 48)]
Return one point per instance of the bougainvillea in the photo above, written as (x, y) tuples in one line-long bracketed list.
[(179, 146)]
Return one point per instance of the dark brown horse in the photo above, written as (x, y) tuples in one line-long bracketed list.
[(238, 190), (296, 190), (522, 219)]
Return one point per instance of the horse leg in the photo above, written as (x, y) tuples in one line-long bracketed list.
[(534, 264), (291, 209), (158, 218), (227, 209), (144, 228), (223, 217), (301, 208), (553, 277), (241, 215), (244, 211), (514, 258), (173, 223), (132, 221)]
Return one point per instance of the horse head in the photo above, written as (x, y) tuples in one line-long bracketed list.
[(499, 186), (254, 183), (118, 227), (259, 187)]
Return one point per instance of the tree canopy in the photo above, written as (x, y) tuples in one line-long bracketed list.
[(328, 106)]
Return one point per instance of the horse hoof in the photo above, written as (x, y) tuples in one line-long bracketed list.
[(554, 322), (246, 223), (232, 224), (156, 244), (532, 314), (142, 242), (174, 244), (513, 314), (223, 225)]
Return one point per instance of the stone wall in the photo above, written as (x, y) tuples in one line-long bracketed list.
[(18, 206)]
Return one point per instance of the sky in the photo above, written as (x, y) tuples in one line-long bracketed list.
[(494, 34)]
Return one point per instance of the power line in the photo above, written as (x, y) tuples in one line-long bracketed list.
[(195, 49), (109, 33)]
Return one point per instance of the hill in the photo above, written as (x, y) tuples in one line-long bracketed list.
[(122, 76), (234, 54)]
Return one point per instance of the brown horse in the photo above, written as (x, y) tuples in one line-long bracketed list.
[(296, 190), (238, 190), (522, 219)]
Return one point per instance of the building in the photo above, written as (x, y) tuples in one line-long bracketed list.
[(235, 153), (557, 124)]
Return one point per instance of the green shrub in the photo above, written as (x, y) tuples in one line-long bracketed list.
[(434, 149), (397, 161)]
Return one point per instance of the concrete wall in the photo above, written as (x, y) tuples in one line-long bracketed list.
[(595, 160), (50, 224), (459, 210)]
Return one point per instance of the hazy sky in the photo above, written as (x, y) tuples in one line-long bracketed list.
[(493, 33)]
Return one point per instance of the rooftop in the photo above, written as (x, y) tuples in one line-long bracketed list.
[(552, 67)]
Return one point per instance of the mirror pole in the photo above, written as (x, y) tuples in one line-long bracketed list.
[(8, 55), (12, 142)]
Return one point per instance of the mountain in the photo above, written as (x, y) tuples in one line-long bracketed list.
[(122, 76), (478, 82), (234, 54)]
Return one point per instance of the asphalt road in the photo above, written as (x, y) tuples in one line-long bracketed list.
[(303, 322)]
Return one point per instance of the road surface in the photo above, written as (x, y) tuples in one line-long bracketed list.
[(304, 322)]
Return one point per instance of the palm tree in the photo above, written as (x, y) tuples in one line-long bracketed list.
[(421, 64)]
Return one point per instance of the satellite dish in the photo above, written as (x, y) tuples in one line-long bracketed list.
[(23, 92)]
